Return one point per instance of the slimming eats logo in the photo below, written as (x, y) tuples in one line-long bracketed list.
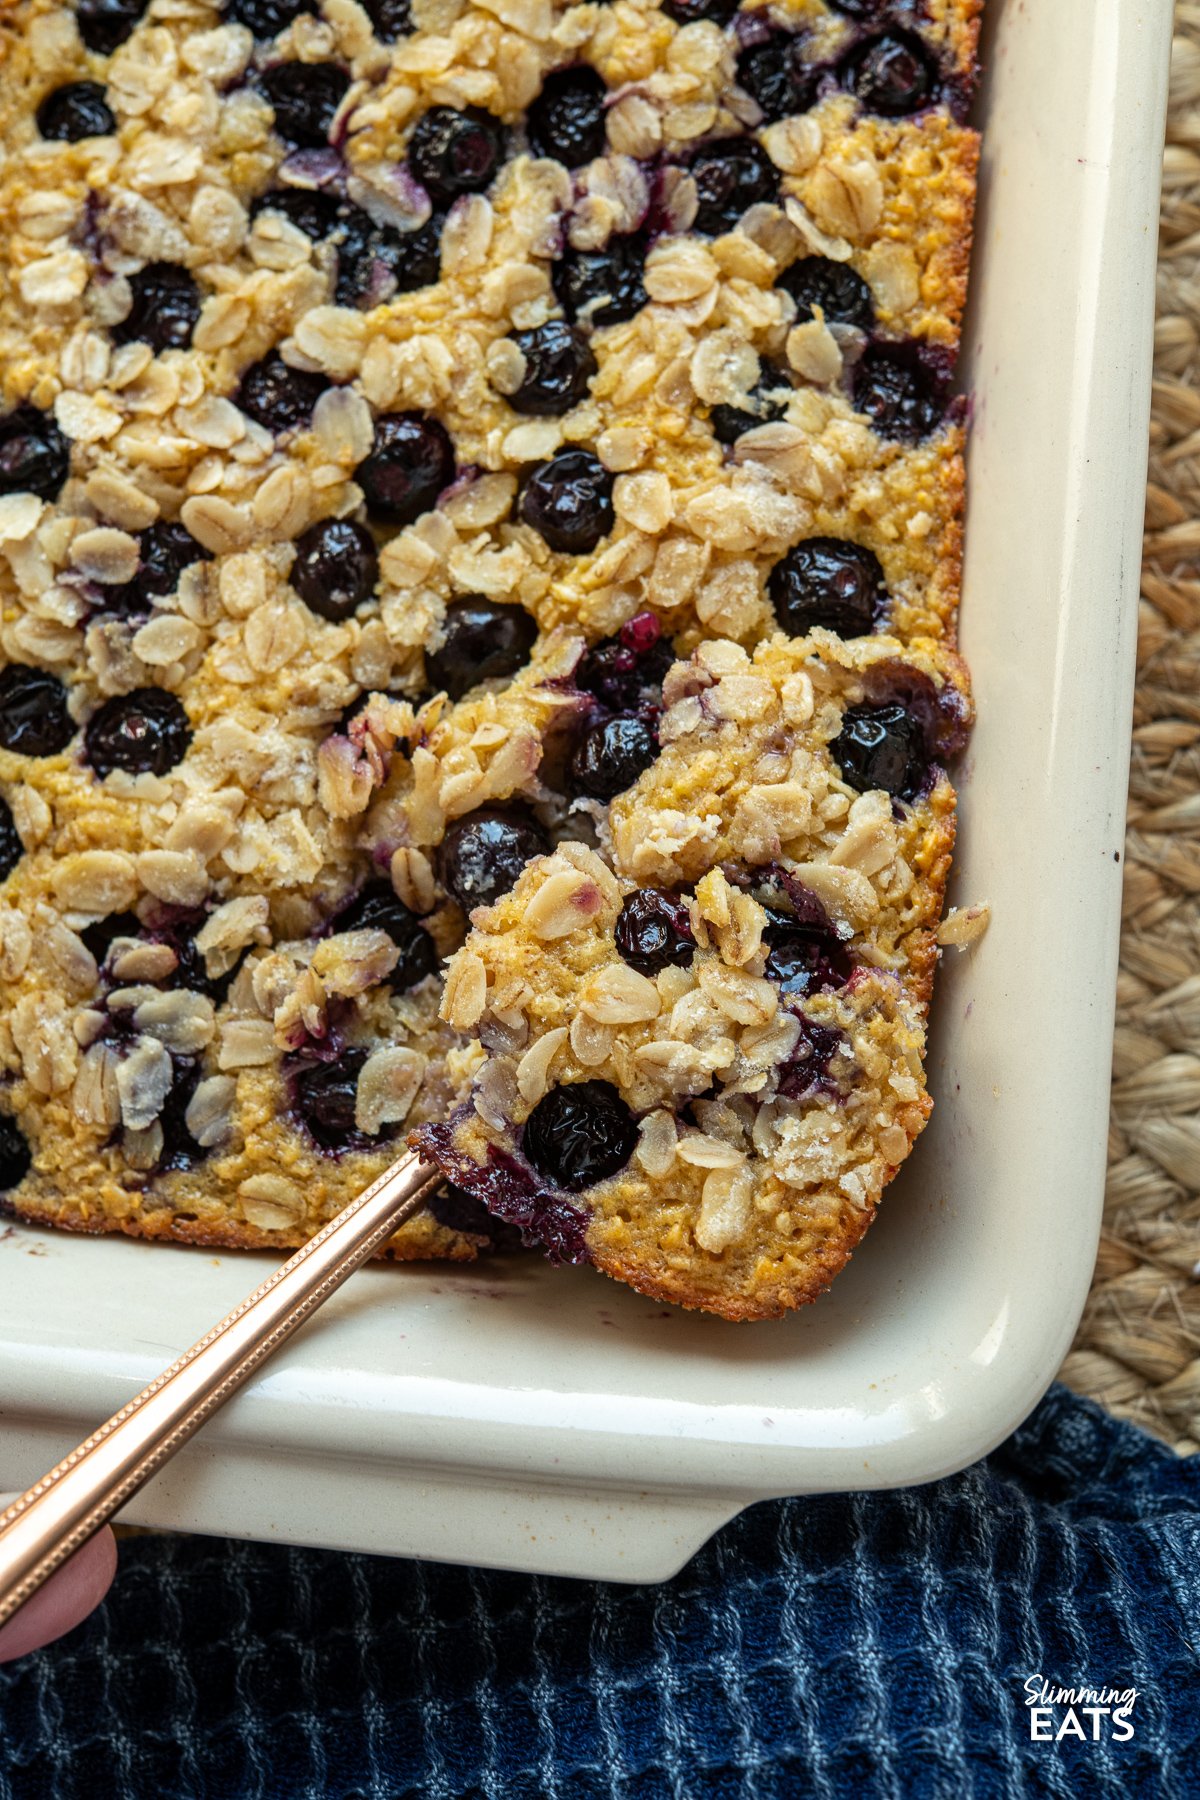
[(1056, 1713)]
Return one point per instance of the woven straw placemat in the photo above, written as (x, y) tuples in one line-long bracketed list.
[(1138, 1346)]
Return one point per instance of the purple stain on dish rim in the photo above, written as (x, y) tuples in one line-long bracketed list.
[(510, 1191)]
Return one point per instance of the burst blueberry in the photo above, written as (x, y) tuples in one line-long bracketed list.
[(558, 367), (902, 393), (145, 732), (690, 12), (378, 908), (654, 931), (310, 210), (411, 461), (376, 262), (602, 287), (390, 19), (775, 74), (75, 111), (881, 747), (325, 1098), (35, 457), (34, 720), (104, 25), (837, 290), (568, 501), (335, 568), (566, 121), (453, 153), (482, 640), (305, 97), (11, 847), (16, 1158), (579, 1134), (828, 582), (730, 176), (166, 306), (893, 75), (731, 422), (267, 18), (165, 550), (278, 397), (611, 756), (804, 959), (626, 672), (483, 854)]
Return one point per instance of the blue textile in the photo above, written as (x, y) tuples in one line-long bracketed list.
[(849, 1645)]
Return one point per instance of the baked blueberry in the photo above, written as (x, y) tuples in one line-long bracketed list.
[(267, 18), (16, 1158), (390, 19), (374, 262), (654, 931), (336, 567), (603, 287), (568, 500), (688, 12), (482, 641), (104, 25), (165, 550), (145, 732), (180, 1149), (611, 756), (482, 855), (731, 176), (859, 9), (305, 97), (11, 847), (566, 121), (558, 366), (892, 74), (75, 111), (729, 422), (579, 1134), (453, 153), (310, 210), (325, 1094), (101, 934), (626, 672), (34, 720), (829, 582), (842, 295), (881, 747), (806, 1070), (411, 462), (35, 457), (277, 397), (378, 908), (775, 74), (166, 305), (804, 959), (902, 394)]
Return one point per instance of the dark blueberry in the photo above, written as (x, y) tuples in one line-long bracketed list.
[(558, 367), (893, 75), (325, 1099), (376, 262), (35, 457), (145, 732), (103, 933), (626, 672), (688, 12), (411, 462), (569, 501), (336, 567), (775, 74), (604, 287), (459, 1211), (843, 296), (807, 1068), (105, 24), (165, 550), (859, 9), (804, 959), (391, 19), (654, 931), (826, 581), (566, 121), (453, 152), (11, 847), (267, 18), (730, 176), (34, 720), (166, 305), (903, 397), (305, 97), (612, 756), (16, 1158), (77, 110), (483, 854), (881, 747), (378, 908), (484, 639), (579, 1134), (729, 422), (180, 1149), (278, 397), (310, 210)]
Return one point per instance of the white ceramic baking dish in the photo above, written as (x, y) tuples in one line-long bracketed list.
[(549, 1420)]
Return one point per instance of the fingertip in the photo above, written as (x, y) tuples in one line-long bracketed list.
[(65, 1600)]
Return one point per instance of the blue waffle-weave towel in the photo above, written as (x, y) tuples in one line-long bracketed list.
[(880, 1644)]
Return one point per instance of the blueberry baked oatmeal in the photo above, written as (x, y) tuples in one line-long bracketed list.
[(480, 518)]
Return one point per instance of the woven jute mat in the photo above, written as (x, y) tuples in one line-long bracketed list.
[(1138, 1346)]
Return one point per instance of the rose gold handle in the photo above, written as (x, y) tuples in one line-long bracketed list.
[(47, 1524)]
